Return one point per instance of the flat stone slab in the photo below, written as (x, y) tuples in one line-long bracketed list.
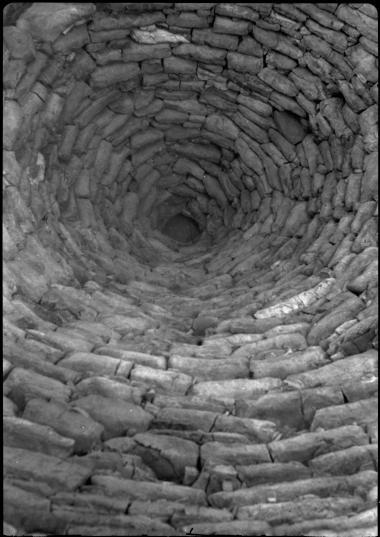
[(204, 369), (145, 490), (236, 388), (67, 421), (284, 366), (305, 446), (214, 453), (300, 509), (168, 456), (359, 366), (20, 432), (359, 412), (346, 461), (282, 408), (184, 419), (271, 473), (117, 417), (234, 527), (163, 381), (321, 486), (133, 357), (109, 387), (22, 385), (91, 363), (254, 429), (64, 342), (57, 473)]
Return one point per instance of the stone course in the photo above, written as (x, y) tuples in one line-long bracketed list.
[(161, 382)]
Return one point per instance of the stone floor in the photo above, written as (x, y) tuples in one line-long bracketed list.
[(133, 409)]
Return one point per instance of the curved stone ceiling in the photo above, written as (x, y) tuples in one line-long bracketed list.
[(190, 268)]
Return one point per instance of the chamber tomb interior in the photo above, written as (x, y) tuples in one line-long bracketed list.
[(190, 258)]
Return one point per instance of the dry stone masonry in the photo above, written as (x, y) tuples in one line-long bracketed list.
[(190, 268)]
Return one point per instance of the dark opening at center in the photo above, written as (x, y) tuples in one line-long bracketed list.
[(181, 228)]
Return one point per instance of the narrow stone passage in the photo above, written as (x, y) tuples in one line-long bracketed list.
[(190, 269)]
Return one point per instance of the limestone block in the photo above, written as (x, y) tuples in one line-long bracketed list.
[(33, 70), (345, 462), (19, 432), (303, 446), (134, 357), (161, 380), (287, 149), (55, 472), (109, 388), (75, 39), (233, 527), (149, 491), (46, 22), (364, 212), (118, 417), (352, 98), (63, 342), (93, 363), (218, 40), (137, 52), (109, 75), (322, 486), (365, 279), (369, 183), (221, 125), (214, 453), (236, 388), (244, 63), (12, 120), (209, 369), (201, 53), (367, 237), (270, 473), (358, 413), (9, 408), (168, 456), (283, 366), (20, 44), (358, 366), (13, 73), (154, 35), (278, 81), (22, 385), (326, 325), (67, 421)]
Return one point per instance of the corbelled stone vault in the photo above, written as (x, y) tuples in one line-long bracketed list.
[(190, 261)]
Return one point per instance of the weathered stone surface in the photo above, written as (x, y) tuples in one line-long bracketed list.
[(302, 447), (22, 385), (300, 509), (67, 421), (346, 461), (237, 388), (322, 487), (20, 432), (117, 416), (168, 456), (270, 473), (140, 490), (213, 453), (57, 473), (359, 412), (170, 381), (46, 21)]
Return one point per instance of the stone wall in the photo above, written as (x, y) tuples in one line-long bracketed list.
[(216, 375)]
